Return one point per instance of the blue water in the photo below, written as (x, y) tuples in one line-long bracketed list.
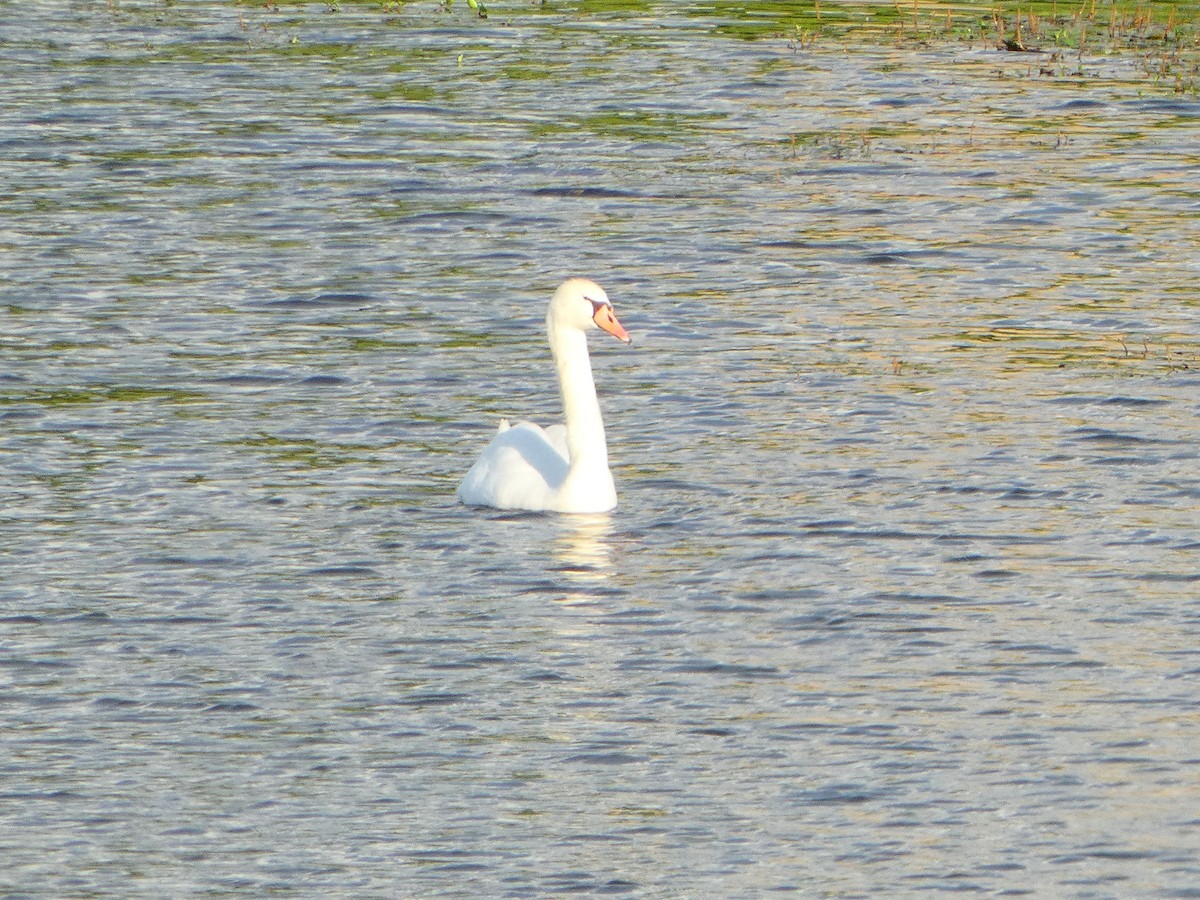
[(900, 595)]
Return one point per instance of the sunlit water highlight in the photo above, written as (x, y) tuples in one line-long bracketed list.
[(900, 597)]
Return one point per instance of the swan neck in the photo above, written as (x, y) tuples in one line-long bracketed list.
[(581, 408)]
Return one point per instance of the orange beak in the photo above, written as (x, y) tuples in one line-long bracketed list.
[(607, 319)]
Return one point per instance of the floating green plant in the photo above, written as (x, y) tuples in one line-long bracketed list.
[(71, 396)]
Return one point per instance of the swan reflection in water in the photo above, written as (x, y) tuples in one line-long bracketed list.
[(584, 552)]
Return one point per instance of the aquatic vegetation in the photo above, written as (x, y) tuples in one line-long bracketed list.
[(79, 396), (1163, 39)]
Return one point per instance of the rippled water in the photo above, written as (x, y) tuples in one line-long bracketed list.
[(900, 597)]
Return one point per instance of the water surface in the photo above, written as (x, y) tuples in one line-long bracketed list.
[(900, 597)]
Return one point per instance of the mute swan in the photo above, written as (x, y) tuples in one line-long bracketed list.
[(560, 468)]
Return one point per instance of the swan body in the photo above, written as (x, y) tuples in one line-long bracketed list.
[(563, 468)]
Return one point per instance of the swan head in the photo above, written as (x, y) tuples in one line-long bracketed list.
[(580, 303)]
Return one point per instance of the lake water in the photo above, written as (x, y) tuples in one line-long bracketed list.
[(900, 597)]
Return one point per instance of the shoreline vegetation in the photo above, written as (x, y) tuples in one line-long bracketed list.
[(1101, 25), (1161, 37)]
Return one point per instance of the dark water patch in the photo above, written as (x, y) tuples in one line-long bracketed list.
[(839, 794), (22, 620), (1126, 461), (231, 706), (996, 574), (565, 883), (1183, 108), (252, 379), (1186, 673), (901, 102), (1100, 400), (1080, 103), (19, 414), (116, 703), (91, 616), (9, 662), (713, 731), (1009, 538), (325, 381), (775, 596), (1104, 853), (612, 758), (903, 257), (547, 677), (736, 670), (585, 192), (177, 561), (344, 571), (883, 259), (1022, 493), (1104, 437)]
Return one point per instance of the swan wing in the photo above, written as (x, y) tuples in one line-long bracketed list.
[(520, 469), (557, 436)]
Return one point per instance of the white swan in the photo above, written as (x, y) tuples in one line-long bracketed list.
[(557, 469)]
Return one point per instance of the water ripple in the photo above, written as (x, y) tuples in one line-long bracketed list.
[(901, 589)]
